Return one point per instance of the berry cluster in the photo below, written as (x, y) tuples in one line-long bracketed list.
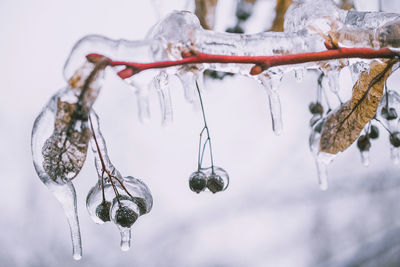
[(121, 200), (214, 178)]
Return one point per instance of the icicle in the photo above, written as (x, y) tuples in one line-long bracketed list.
[(271, 84), (395, 154), (365, 158), (299, 74), (188, 80), (161, 85), (322, 160)]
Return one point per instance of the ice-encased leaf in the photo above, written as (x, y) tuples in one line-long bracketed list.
[(344, 125), (60, 139)]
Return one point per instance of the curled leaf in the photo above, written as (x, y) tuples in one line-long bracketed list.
[(343, 126)]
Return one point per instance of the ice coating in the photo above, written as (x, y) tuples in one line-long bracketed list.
[(316, 15), (139, 51), (62, 189), (119, 191)]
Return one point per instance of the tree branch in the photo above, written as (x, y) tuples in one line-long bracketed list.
[(261, 62)]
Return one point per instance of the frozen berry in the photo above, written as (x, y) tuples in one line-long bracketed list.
[(125, 217), (215, 183), (373, 132), (389, 114), (103, 211), (197, 181), (316, 108), (363, 143), (395, 139), (236, 29)]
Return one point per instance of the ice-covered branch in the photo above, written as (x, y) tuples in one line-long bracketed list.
[(261, 62)]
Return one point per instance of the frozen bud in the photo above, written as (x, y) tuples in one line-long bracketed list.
[(197, 181), (395, 139), (363, 143)]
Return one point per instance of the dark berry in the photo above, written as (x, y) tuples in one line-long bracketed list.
[(363, 143), (215, 183), (389, 114), (197, 181), (316, 108), (236, 29), (395, 139), (242, 15), (103, 211), (373, 132), (125, 217)]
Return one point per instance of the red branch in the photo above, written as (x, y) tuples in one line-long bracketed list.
[(261, 62)]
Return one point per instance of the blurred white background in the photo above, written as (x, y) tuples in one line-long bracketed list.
[(272, 214)]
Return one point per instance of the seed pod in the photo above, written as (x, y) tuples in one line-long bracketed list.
[(103, 211), (197, 181), (215, 183), (363, 143)]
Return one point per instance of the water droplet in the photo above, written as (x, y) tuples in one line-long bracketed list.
[(125, 239)]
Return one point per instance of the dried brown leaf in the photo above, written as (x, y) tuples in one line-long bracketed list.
[(281, 8), (343, 127), (205, 11)]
